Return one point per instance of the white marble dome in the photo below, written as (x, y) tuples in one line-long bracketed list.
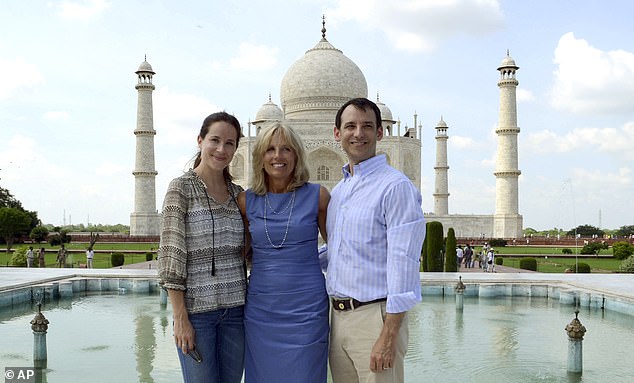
[(386, 113), (323, 79), (508, 62), (145, 67), (269, 112)]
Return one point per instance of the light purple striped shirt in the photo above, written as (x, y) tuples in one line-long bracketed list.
[(375, 234)]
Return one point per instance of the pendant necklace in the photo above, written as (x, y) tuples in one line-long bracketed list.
[(291, 204)]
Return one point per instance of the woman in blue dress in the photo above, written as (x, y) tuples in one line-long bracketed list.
[(286, 313)]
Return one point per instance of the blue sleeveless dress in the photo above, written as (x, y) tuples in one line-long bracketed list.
[(286, 313)]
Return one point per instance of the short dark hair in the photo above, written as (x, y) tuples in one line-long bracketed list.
[(361, 104)]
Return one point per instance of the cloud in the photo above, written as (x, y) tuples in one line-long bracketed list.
[(54, 115), (17, 74), (254, 57), (461, 142), (178, 116), (418, 26), (589, 80), (603, 179), (109, 168), (524, 95), (82, 10), (617, 141)]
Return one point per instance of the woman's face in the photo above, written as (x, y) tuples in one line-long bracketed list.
[(279, 160), (218, 146)]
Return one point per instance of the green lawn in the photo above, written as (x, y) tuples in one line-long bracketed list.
[(560, 264), (102, 253), (539, 250)]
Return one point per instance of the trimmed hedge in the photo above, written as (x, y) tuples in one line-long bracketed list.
[(434, 246), (450, 255), (583, 267), (528, 263), (149, 256), (566, 251), (423, 256), (499, 261), (117, 259)]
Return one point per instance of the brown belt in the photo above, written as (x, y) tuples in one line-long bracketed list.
[(351, 303)]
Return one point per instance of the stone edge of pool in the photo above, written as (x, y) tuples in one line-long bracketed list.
[(613, 292)]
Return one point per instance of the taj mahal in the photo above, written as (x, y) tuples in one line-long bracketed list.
[(311, 92)]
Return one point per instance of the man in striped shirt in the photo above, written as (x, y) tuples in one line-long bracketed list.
[(375, 230)]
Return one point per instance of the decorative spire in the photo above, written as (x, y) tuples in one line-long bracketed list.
[(323, 26), (508, 54), (269, 96), (377, 97), (145, 57)]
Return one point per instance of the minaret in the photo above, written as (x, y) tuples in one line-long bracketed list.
[(507, 223), (145, 218), (441, 187)]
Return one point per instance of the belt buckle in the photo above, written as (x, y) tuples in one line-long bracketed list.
[(341, 304)]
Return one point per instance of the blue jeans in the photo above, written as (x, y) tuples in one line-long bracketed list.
[(220, 343)]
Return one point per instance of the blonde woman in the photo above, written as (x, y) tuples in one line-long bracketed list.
[(286, 314)]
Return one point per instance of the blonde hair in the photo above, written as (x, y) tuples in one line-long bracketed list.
[(262, 142)]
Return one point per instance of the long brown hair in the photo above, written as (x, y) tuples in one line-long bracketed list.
[(204, 129)]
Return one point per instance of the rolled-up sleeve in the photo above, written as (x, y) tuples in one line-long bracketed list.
[(405, 234), (172, 252)]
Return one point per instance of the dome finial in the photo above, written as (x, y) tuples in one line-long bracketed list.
[(377, 96), (269, 96), (508, 54), (323, 26)]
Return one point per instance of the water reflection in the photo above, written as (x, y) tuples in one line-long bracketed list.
[(124, 338), (145, 346)]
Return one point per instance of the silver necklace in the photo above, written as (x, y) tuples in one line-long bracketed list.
[(266, 198), (288, 222)]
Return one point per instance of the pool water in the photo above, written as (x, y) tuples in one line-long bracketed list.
[(128, 338)]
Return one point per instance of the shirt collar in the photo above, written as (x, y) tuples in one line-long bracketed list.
[(366, 167)]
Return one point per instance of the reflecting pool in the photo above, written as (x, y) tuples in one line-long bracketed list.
[(106, 337)]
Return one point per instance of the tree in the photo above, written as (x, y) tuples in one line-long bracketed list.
[(39, 234), (529, 230), (8, 200), (593, 248), (625, 231), (434, 246), (622, 250), (586, 231), (450, 256), (13, 222)]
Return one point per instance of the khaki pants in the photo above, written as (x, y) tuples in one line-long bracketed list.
[(352, 336)]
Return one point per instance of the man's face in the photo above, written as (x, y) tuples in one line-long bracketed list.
[(358, 134)]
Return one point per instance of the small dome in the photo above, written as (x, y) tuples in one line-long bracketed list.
[(269, 111), (145, 67), (441, 123), (386, 113), (508, 62)]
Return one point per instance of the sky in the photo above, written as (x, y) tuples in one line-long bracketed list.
[(68, 102)]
